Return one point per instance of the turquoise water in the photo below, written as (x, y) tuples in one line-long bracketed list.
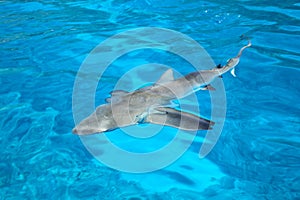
[(43, 44)]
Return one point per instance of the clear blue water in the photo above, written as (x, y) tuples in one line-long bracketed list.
[(43, 44)]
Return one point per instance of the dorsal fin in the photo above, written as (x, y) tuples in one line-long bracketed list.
[(116, 96), (118, 93), (166, 77)]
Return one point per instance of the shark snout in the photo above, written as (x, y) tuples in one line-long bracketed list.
[(76, 131), (85, 131), (89, 125), (85, 128)]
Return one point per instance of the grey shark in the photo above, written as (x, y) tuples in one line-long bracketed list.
[(152, 104)]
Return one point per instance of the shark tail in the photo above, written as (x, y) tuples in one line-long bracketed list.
[(232, 62), (243, 48)]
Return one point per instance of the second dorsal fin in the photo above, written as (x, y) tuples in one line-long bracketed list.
[(219, 66)]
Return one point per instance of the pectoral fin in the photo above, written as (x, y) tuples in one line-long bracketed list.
[(178, 119), (233, 72), (208, 87)]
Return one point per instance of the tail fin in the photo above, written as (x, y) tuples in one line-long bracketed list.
[(243, 48)]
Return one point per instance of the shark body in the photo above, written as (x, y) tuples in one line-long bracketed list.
[(152, 104)]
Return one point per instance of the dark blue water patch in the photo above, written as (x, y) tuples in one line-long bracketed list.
[(255, 165), (187, 167), (73, 144), (5, 173), (183, 194), (195, 146), (9, 122), (41, 104), (211, 192), (144, 56), (178, 177), (227, 182), (29, 6), (134, 198), (21, 128), (54, 91), (60, 126), (57, 170), (83, 189)]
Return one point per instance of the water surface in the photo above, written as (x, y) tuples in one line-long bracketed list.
[(43, 44)]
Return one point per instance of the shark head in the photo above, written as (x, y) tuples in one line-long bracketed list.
[(99, 121)]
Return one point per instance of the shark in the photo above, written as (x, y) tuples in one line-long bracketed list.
[(152, 104)]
